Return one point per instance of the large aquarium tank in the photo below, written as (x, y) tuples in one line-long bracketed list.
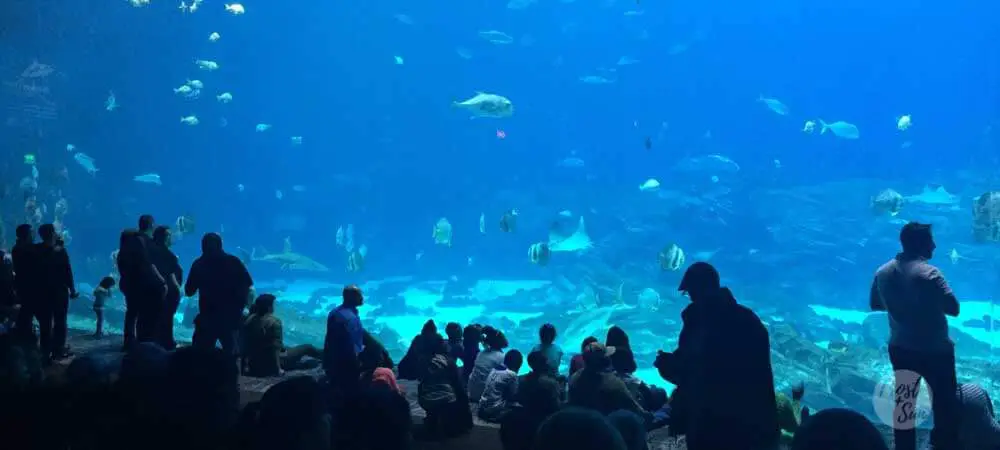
[(521, 162)]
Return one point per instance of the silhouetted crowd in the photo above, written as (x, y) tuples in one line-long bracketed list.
[(161, 395)]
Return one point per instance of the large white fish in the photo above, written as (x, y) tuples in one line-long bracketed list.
[(840, 129), (487, 105), (150, 178), (774, 105), (86, 162)]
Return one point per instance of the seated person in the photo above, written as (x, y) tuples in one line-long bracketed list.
[(490, 358), (979, 429), (553, 353), (263, 346), (419, 353), (374, 355), (441, 395), (596, 387), (790, 412), (538, 391), (576, 362), (501, 388)]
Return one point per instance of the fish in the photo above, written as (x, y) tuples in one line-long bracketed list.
[(149, 178), (482, 223), (496, 37), (934, 195), (356, 259), (289, 260), (235, 9), (204, 64), (774, 105), (487, 105), (111, 103), (442, 232), (539, 253), (904, 122), (648, 143), (185, 224), (840, 129), (649, 185), (508, 221), (887, 202), (671, 258), (86, 162), (579, 241)]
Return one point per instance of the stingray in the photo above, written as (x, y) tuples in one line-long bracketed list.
[(579, 241), (934, 195)]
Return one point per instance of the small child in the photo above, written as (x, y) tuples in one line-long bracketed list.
[(101, 295)]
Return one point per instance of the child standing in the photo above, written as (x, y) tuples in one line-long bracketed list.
[(101, 295)]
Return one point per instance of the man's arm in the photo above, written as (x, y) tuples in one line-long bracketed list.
[(941, 289), (68, 269), (874, 298)]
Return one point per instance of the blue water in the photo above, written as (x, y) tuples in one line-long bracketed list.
[(383, 148)]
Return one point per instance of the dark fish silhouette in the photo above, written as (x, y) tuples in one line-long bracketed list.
[(648, 143)]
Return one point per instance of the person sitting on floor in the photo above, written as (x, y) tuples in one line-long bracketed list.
[(442, 397), (576, 362), (790, 411), (501, 388), (548, 347), (487, 360), (419, 353), (979, 429), (597, 388), (538, 390), (263, 342), (374, 356)]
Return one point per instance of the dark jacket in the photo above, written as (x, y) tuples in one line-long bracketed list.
[(602, 391), (7, 296), (167, 264), (223, 286), (139, 276), (56, 273), (25, 262), (373, 355), (263, 342), (418, 356), (539, 393), (722, 370)]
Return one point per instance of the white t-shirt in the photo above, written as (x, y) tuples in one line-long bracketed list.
[(915, 294)]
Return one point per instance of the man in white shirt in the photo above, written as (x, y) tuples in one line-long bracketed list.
[(917, 298)]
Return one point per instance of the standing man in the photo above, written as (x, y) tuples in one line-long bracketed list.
[(344, 341), (55, 290), (917, 298), (23, 257), (223, 286)]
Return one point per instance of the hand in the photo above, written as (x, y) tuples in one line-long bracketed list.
[(74, 294)]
